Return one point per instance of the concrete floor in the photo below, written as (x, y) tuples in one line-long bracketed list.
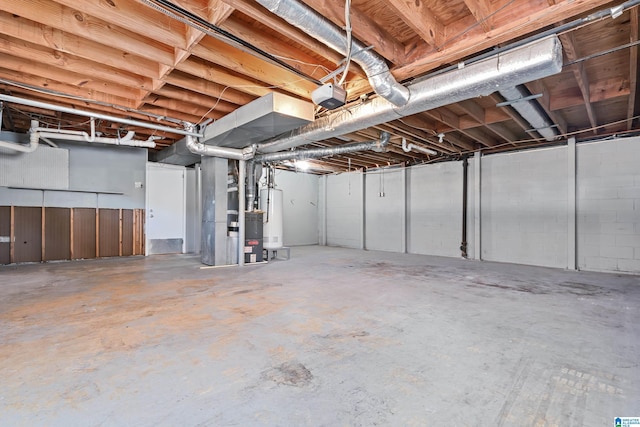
[(333, 337)]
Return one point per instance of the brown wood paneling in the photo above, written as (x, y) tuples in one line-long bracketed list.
[(57, 232), (28, 234), (109, 233), (127, 232), (84, 233), (5, 234)]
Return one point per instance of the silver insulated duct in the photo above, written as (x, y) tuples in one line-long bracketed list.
[(529, 62), (530, 111), (317, 153), (311, 22)]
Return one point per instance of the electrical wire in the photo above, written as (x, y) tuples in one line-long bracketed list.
[(348, 29), (193, 20)]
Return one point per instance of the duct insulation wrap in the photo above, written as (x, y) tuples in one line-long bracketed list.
[(271, 204), (253, 237)]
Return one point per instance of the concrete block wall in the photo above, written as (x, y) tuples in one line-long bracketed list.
[(524, 207), (385, 210), (299, 206), (344, 210), (536, 207), (608, 205), (434, 225)]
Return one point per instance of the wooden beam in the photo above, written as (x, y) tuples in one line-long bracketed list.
[(180, 94), (509, 24), (365, 29), (425, 121), (50, 57), (422, 20), (481, 11), (244, 63), (62, 42), (293, 55), (88, 27), (181, 107), (162, 111), (633, 67), (263, 16), (207, 87), (86, 106), (447, 117), (47, 84), (420, 135), (580, 74), (135, 17), (476, 111), (81, 81), (213, 73), (601, 90), (217, 13)]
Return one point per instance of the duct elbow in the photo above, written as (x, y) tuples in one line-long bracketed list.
[(381, 144), (387, 87)]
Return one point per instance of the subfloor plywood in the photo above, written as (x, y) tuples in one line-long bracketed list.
[(331, 337)]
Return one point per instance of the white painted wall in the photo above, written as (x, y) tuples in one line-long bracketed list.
[(345, 210), (300, 207), (524, 207), (384, 213), (608, 205), (435, 209)]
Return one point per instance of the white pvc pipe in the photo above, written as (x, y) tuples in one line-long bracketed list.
[(69, 110), (33, 145), (72, 135), (408, 147)]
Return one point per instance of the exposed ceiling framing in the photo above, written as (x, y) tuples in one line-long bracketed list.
[(127, 58)]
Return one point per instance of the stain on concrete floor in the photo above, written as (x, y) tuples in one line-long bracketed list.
[(331, 337)]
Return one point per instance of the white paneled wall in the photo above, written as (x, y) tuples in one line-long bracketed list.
[(45, 168), (345, 210), (608, 205), (524, 207), (299, 206), (385, 210), (521, 208), (435, 209)]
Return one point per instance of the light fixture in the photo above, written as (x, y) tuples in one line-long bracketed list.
[(302, 165)]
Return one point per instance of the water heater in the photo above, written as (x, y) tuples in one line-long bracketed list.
[(271, 205)]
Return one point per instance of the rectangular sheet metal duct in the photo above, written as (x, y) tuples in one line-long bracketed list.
[(261, 119)]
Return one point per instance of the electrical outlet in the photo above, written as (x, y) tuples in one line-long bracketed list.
[(138, 184)]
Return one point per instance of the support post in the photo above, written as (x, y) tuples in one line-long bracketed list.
[(571, 204), (242, 166), (477, 184)]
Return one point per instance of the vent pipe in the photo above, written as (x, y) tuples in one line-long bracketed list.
[(311, 22), (71, 135), (33, 141), (529, 110), (529, 62), (214, 151), (316, 153)]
